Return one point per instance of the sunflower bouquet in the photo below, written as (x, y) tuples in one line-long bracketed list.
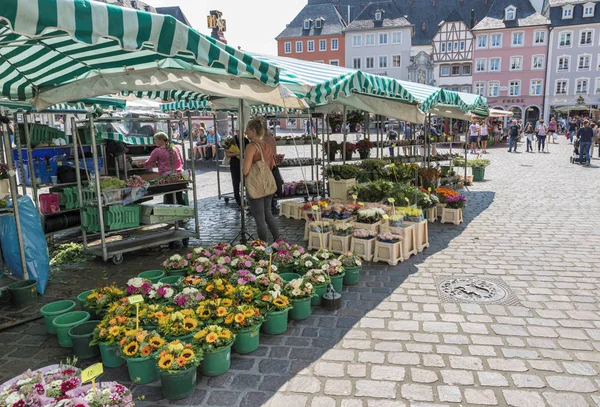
[(299, 288), (214, 311), (176, 356), (112, 329), (175, 262), (188, 298), (103, 296), (178, 323), (317, 277), (140, 344), (246, 294), (274, 301), (217, 288), (242, 317), (213, 338)]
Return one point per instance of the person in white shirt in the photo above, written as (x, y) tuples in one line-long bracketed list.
[(483, 136), (474, 130), (542, 131)]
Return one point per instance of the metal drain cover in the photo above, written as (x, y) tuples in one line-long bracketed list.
[(475, 290)]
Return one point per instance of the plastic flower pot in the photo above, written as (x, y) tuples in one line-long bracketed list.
[(182, 273), (142, 370), (81, 336), (301, 310), (276, 322), (247, 340), (319, 290), (478, 173), (63, 323), (152, 275), (216, 363), (110, 354), (149, 327), (337, 282), (23, 293), (184, 338), (285, 268), (81, 300), (178, 385), (352, 275), (173, 281), (54, 309), (287, 277)]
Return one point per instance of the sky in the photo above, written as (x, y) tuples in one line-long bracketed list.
[(252, 25)]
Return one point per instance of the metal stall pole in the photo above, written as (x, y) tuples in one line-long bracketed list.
[(323, 167), (345, 132), (98, 190), (17, 136), (241, 122), (312, 153), (194, 188), (30, 165), (75, 134), (14, 195), (183, 154)]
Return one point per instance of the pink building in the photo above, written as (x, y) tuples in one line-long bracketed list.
[(509, 59)]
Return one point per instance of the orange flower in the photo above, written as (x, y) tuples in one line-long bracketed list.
[(239, 318), (181, 361), (211, 337), (146, 351)]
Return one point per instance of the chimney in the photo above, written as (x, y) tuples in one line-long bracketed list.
[(472, 22)]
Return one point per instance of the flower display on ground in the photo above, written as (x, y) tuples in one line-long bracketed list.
[(363, 234), (299, 288), (140, 344), (350, 259), (213, 338), (176, 262), (176, 356), (317, 277)]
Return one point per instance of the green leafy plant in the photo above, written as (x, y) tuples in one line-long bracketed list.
[(344, 171)]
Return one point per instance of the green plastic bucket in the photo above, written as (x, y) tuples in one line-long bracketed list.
[(287, 277), (352, 275), (247, 340), (81, 300), (478, 173), (285, 268), (178, 385), (54, 309), (337, 282), (142, 370), (81, 336), (302, 309), (152, 275), (110, 354), (23, 293), (276, 322), (181, 273), (216, 363), (184, 338), (173, 281), (63, 323), (319, 290)]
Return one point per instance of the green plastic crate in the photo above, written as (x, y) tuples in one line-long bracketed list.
[(116, 217)]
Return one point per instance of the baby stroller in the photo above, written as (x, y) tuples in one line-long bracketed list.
[(575, 157)]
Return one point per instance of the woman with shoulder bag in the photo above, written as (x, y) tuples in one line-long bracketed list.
[(260, 183)]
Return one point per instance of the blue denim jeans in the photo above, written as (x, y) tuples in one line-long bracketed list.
[(584, 148), (512, 141)]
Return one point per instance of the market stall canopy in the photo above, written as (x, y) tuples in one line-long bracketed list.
[(460, 105), (500, 113), (55, 51), (81, 106)]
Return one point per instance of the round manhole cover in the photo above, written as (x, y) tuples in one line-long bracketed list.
[(473, 290)]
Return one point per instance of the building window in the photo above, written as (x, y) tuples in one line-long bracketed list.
[(322, 45), (563, 64), (443, 47), (378, 16), (517, 39), (397, 37), (356, 40), (567, 12), (454, 88), (383, 62), (287, 47), (455, 70), (539, 38), (535, 88), (482, 41), (494, 64), (449, 47), (496, 40), (298, 46), (581, 86), (334, 44), (480, 65), (318, 23), (455, 46), (307, 24), (370, 62), (356, 63), (560, 88), (334, 62), (510, 13), (564, 39), (493, 89), (586, 38), (462, 45), (597, 91), (516, 63), (466, 89), (310, 46), (479, 88), (537, 62), (445, 70), (588, 10), (370, 39), (584, 62), (383, 39), (514, 88), (466, 69), (396, 61)]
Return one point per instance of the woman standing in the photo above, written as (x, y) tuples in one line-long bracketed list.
[(529, 135), (257, 154), (474, 130), (552, 130), (542, 131), (234, 168), (483, 133), (161, 157)]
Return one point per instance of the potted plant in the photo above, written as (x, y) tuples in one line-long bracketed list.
[(395, 220), (319, 279), (331, 148), (299, 291), (181, 325), (363, 243), (364, 148), (336, 273), (215, 342), (245, 321), (369, 219), (320, 226), (478, 168), (342, 229), (413, 214), (276, 307), (176, 265), (138, 348), (341, 179), (352, 265), (306, 262), (110, 331), (429, 177), (98, 300), (177, 363), (350, 149), (388, 248), (452, 212)]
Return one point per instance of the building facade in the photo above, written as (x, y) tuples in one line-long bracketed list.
[(378, 41), (510, 56), (573, 77)]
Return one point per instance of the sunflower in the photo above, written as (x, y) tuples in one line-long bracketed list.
[(181, 361), (247, 294), (225, 334), (114, 330), (187, 354), (249, 313), (209, 287), (221, 311), (112, 322), (201, 334), (239, 318), (205, 313), (131, 348), (146, 351), (156, 342), (166, 361), (212, 337), (278, 302), (227, 302), (229, 289), (229, 319), (189, 324)]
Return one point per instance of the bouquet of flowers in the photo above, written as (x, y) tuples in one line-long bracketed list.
[(243, 261), (444, 193), (297, 250), (258, 249), (202, 263), (363, 234), (317, 277), (217, 271), (161, 292), (280, 245), (178, 323), (299, 288), (243, 277), (244, 316), (342, 229), (350, 259), (246, 294), (320, 226), (370, 216), (102, 297), (188, 298), (176, 356), (274, 301), (455, 202), (229, 144), (215, 310), (149, 314), (112, 329), (324, 254), (137, 285), (175, 262), (221, 249), (193, 280), (283, 257), (218, 288), (213, 338), (110, 394), (396, 220), (198, 252), (333, 267), (427, 200), (389, 238), (264, 281), (29, 390), (140, 344), (306, 262)]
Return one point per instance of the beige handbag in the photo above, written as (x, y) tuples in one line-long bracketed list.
[(260, 181)]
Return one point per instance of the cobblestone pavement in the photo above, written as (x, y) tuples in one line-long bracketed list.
[(531, 225)]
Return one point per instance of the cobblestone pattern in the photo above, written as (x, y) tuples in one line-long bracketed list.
[(393, 343)]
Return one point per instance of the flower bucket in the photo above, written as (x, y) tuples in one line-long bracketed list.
[(142, 370), (23, 293), (178, 385), (81, 336), (63, 323), (149, 327), (111, 355), (216, 363), (302, 309), (285, 268), (173, 281), (152, 275), (54, 309), (287, 277), (185, 338), (319, 290), (182, 272), (247, 340), (276, 322), (81, 300), (478, 173), (337, 281), (351, 275)]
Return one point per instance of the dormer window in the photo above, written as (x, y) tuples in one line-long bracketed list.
[(588, 9), (567, 12), (307, 24), (510, 13), (378, 15), (318, 23)]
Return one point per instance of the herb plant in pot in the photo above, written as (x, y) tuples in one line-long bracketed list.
[(299, 291), (177, 364), (216, 342)]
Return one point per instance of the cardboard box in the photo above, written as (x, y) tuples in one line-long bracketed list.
[(173, 210), (153, 219)]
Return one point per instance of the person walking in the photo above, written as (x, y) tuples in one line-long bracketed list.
[(392, 136), (552, 127), (259, 157), (529, 136), (483, 135), (408, 135), (163, 156), (474, 130), (542, 131), (586, 135), (573, 127), (513, 134)]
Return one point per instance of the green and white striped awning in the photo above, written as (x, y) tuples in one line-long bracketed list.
[(84, 106), (132, 140), (183, 105), (55, 51), (176, 95)]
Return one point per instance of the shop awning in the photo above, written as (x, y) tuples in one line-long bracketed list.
[(83, 106)]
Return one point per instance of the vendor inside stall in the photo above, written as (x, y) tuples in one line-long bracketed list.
[(161, 157)]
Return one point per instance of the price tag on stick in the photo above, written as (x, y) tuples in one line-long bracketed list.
[(91, 373), (137, 300)]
